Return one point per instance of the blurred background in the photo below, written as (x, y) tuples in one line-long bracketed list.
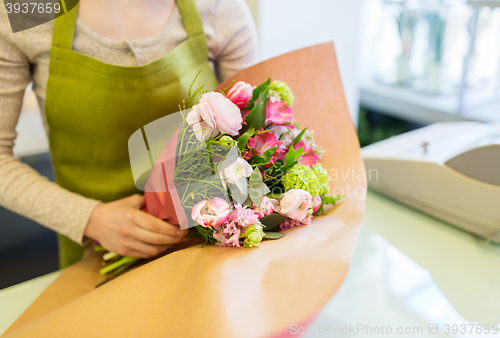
[(404, 64)]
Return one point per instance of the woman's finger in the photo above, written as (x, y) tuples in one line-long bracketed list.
[(135, 201), (154, 238), (147, 250), (136, 254), (153, 224)]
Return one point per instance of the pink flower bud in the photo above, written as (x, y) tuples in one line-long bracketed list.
[(240, 94), (316, 203)]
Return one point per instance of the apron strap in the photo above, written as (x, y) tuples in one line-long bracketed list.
[(64, 29), (64, 26), (190, 17)]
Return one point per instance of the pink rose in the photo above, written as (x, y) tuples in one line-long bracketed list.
[(211, 213), (316, 203), (265, 208), (240, 93), (278, 112), (295, 203), (203, 121), (214, 114)]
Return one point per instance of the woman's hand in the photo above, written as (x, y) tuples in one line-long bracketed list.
[(122, 228)]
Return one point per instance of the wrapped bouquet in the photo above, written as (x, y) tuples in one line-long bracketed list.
[(228, 292), (245, 169), (271, 172)]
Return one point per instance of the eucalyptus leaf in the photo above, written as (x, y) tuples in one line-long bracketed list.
[(248, 202), (264, 189), (255, 195), (255, 180), (273, 221), (273, 235), (237, 194)]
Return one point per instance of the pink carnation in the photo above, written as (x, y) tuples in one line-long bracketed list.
[(265, 208), (243, 216)]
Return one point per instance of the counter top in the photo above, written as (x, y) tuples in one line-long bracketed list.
[(409, 272)]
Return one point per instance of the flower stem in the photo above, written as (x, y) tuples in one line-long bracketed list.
[(117, 264)]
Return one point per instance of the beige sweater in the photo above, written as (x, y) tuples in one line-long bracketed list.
[(24, 57)]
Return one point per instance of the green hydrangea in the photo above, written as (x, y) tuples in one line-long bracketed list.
[(313, 180), (322, 176), (281, 89)]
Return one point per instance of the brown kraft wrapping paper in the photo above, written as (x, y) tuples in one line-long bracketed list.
[(230, 292)]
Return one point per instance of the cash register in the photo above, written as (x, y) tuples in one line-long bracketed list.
[(448, 170)]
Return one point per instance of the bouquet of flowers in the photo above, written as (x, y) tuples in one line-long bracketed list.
[(245, 168), (280, 282)]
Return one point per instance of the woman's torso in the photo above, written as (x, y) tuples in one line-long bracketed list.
[(36, 43)]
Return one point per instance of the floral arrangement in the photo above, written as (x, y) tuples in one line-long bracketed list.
[(271, 173), (245, 168)]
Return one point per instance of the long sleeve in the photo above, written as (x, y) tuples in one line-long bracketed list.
[(22, 189), (24, 56), (236, 43)]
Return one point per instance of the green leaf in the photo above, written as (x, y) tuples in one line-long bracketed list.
[(257, 159), (243, 139), (299, 137), (206, 234), (269, 153), (321, 210), (292, 157), (331, 199), (255, 180), (256, 118), (260, 88), (273, 235), (273, 221)]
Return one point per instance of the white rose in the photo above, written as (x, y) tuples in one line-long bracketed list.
[(235, 170)]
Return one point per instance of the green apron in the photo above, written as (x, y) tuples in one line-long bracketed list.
[(93, 108)]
